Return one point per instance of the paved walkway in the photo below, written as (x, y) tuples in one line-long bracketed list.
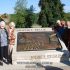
[(33, 67)]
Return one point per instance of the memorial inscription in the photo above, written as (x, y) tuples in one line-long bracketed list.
[(36, 39), (32, 46)]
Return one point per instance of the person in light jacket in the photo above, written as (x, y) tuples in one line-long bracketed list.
[(11, 29)]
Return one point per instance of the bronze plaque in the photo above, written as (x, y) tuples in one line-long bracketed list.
[(35, 41)]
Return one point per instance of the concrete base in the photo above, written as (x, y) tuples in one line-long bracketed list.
[(46, 57)]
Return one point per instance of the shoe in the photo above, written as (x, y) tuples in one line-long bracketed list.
[(10, 62), (5, 61), (58, 49), (1, 63)]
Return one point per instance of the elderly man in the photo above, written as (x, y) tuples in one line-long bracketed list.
[(3, 42)]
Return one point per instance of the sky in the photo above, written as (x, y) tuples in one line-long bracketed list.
[(7, 6)]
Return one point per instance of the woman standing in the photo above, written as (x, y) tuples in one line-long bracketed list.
[(11, 29)]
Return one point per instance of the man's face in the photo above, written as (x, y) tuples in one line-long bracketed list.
[(59, 24), (2, 25)]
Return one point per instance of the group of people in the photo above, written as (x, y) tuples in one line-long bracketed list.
[(7, 41), (62, 29), (7, 38)]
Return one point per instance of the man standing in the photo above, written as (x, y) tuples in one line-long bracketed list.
[(3, 43)]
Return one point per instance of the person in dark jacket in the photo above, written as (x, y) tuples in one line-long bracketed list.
[(3, 43)]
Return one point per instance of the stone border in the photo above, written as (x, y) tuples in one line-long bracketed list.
[(26, 55)]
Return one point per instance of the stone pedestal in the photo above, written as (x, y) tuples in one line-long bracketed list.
[(41, 57)]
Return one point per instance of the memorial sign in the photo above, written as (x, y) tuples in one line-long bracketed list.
[(35, 45), (36, 39)]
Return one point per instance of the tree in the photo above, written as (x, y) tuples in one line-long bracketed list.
[(30, 17), (42, 19), (20, 9), (67, 16), (51, 10)]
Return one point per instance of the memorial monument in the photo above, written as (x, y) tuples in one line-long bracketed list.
[(34, 45), (36, 41)]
